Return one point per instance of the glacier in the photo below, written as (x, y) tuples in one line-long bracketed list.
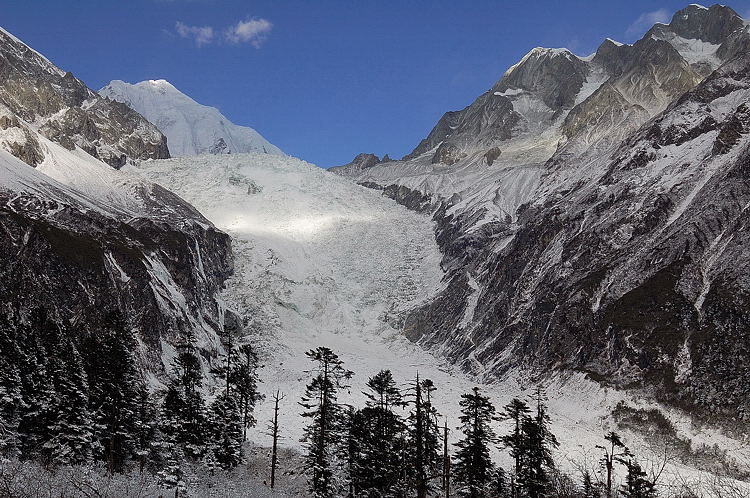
[(191, 128)]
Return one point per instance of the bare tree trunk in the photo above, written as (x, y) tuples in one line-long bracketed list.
[(446, 462), (275, 435)]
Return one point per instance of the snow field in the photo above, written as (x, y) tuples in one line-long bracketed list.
[(320, 261)]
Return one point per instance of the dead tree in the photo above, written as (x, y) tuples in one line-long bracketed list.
[(446, 462), (275, 435)]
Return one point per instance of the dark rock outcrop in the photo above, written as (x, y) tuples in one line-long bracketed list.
[(68, 112)]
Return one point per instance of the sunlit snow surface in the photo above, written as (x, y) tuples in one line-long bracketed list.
[(321, 261)]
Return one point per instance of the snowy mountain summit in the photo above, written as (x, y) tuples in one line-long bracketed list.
[(191, 128)]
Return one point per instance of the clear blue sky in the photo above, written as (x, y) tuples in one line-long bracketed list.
[(327, 79)]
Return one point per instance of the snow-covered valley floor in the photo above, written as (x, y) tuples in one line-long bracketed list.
[(320, 261)]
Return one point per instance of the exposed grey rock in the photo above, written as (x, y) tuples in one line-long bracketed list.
[(447, 153), (555, 75), (491, 155), (81, 260), (68, 112), (624, 260), (714, 24)]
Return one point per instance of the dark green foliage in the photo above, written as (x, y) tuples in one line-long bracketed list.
[(244, 378), (473, 468), (37, 391), (637, 483), (184, 418), (116, 393), (11, 395), (226, 431), (537, 442), (516, 411), (423, 439), (376, 439), (326, 431), (70, 428), (500, 487)]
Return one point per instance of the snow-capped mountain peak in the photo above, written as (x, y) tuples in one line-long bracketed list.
[(190, 127)]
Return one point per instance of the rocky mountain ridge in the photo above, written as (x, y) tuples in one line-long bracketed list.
[(590, 212), (191, 128), (62, 108), (84, 240)]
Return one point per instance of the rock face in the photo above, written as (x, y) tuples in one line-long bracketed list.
[(83, 239), (606, 235), (191, 128), (360, 163), (81, 252), (64, 110)]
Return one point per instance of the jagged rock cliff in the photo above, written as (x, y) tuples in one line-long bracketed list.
[(82, 239), (65, 110), (605, 234)]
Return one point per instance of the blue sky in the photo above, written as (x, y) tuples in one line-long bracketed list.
[(323, 80)]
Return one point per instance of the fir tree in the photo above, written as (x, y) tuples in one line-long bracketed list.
[(170, 472), (500, 487), (226, 431), (70, 428), (637, 484), (244, 378), (537, 462), (184, 415), (423, 438), (516, 412), (377, 435), (614, 450), (37, 391), (473, 468), (116, 391), (326, 429), (590, 488), (145, 429), (11, 396)]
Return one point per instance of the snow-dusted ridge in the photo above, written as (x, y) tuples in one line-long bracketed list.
[(191, 128), (322, 261)]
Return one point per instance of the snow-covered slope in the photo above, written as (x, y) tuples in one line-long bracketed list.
[(190, 128), (574, 200), (321, 261), (84, 240), (63, 109)]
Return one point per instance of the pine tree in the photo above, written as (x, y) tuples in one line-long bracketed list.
[(184, 415), (537, 462), (145, 429), (423, 444), (616, 449), (36, 412), (500, 486), (237, 367), (71, 438), (226, 431), (473, 467), (170, 473), (376, 437), (516, 412), (116, 389), (590, 488), (244, 378), (11, 396), (637, 484), (326, 429)]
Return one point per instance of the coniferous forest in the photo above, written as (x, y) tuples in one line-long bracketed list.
[(79, 399)]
